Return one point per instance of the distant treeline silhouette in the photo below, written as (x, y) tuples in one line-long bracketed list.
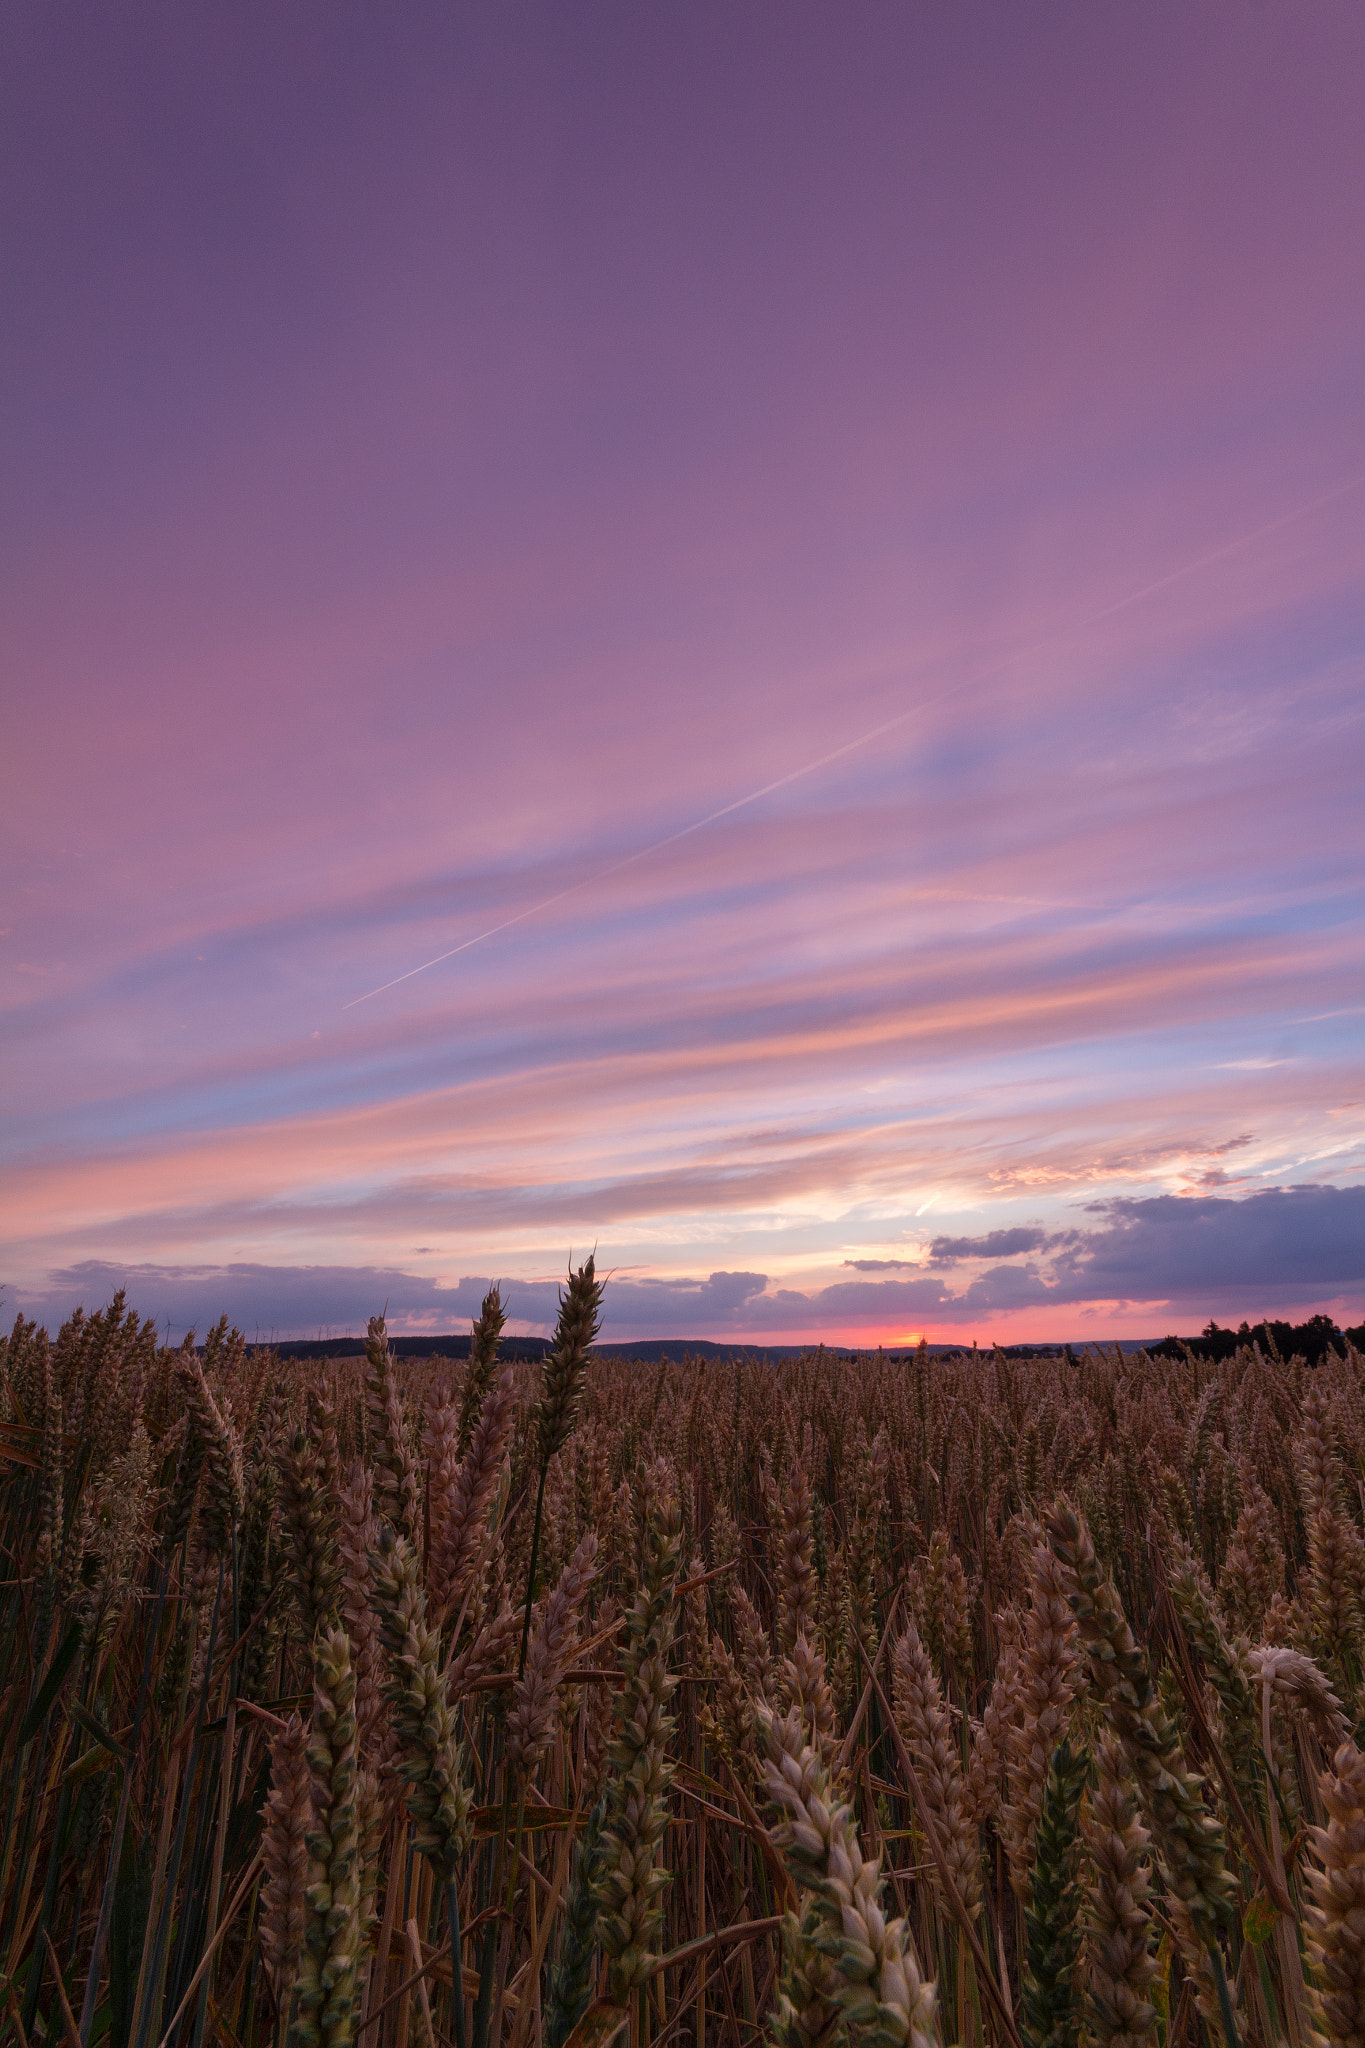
[(1311, 1340)]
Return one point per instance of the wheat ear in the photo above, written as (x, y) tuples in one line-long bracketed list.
[(536, 1694), (326, 1989), (1336, 1914), (1052, 1917), (923, 1721), (284, 1852), (483, 1358), (628, 1890), (1188, 1838), (846, 1963), (1118, 1916)]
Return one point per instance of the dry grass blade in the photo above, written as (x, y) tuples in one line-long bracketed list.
[(237, 1898), (849, 1743), (724, 1937), (69, 2027)]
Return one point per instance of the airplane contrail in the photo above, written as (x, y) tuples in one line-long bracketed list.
[(864, 739), (644, 852), (1231, 547)]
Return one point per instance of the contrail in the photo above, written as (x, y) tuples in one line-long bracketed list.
[(864, 739), (1231, 547), (644, 852)]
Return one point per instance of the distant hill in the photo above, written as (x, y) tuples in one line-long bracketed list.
[(1310, 1340), (650, 1351), (405, 1347)]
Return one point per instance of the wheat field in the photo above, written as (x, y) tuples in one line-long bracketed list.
[(439, 1705)]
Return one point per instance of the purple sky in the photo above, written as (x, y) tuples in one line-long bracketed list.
[(834, 535)]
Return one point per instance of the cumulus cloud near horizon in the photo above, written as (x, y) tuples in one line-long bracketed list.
[(1201, 1254)]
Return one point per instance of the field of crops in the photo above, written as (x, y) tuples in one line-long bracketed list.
[(433, 1705)]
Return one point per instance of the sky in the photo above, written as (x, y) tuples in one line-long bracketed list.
[(730, 634)]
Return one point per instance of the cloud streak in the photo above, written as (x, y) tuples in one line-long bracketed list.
[(1170, 1256), (1230, 548)]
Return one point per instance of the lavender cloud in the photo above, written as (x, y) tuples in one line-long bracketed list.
[(995, 1244), (1285, 1242), (1198, 1253)]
